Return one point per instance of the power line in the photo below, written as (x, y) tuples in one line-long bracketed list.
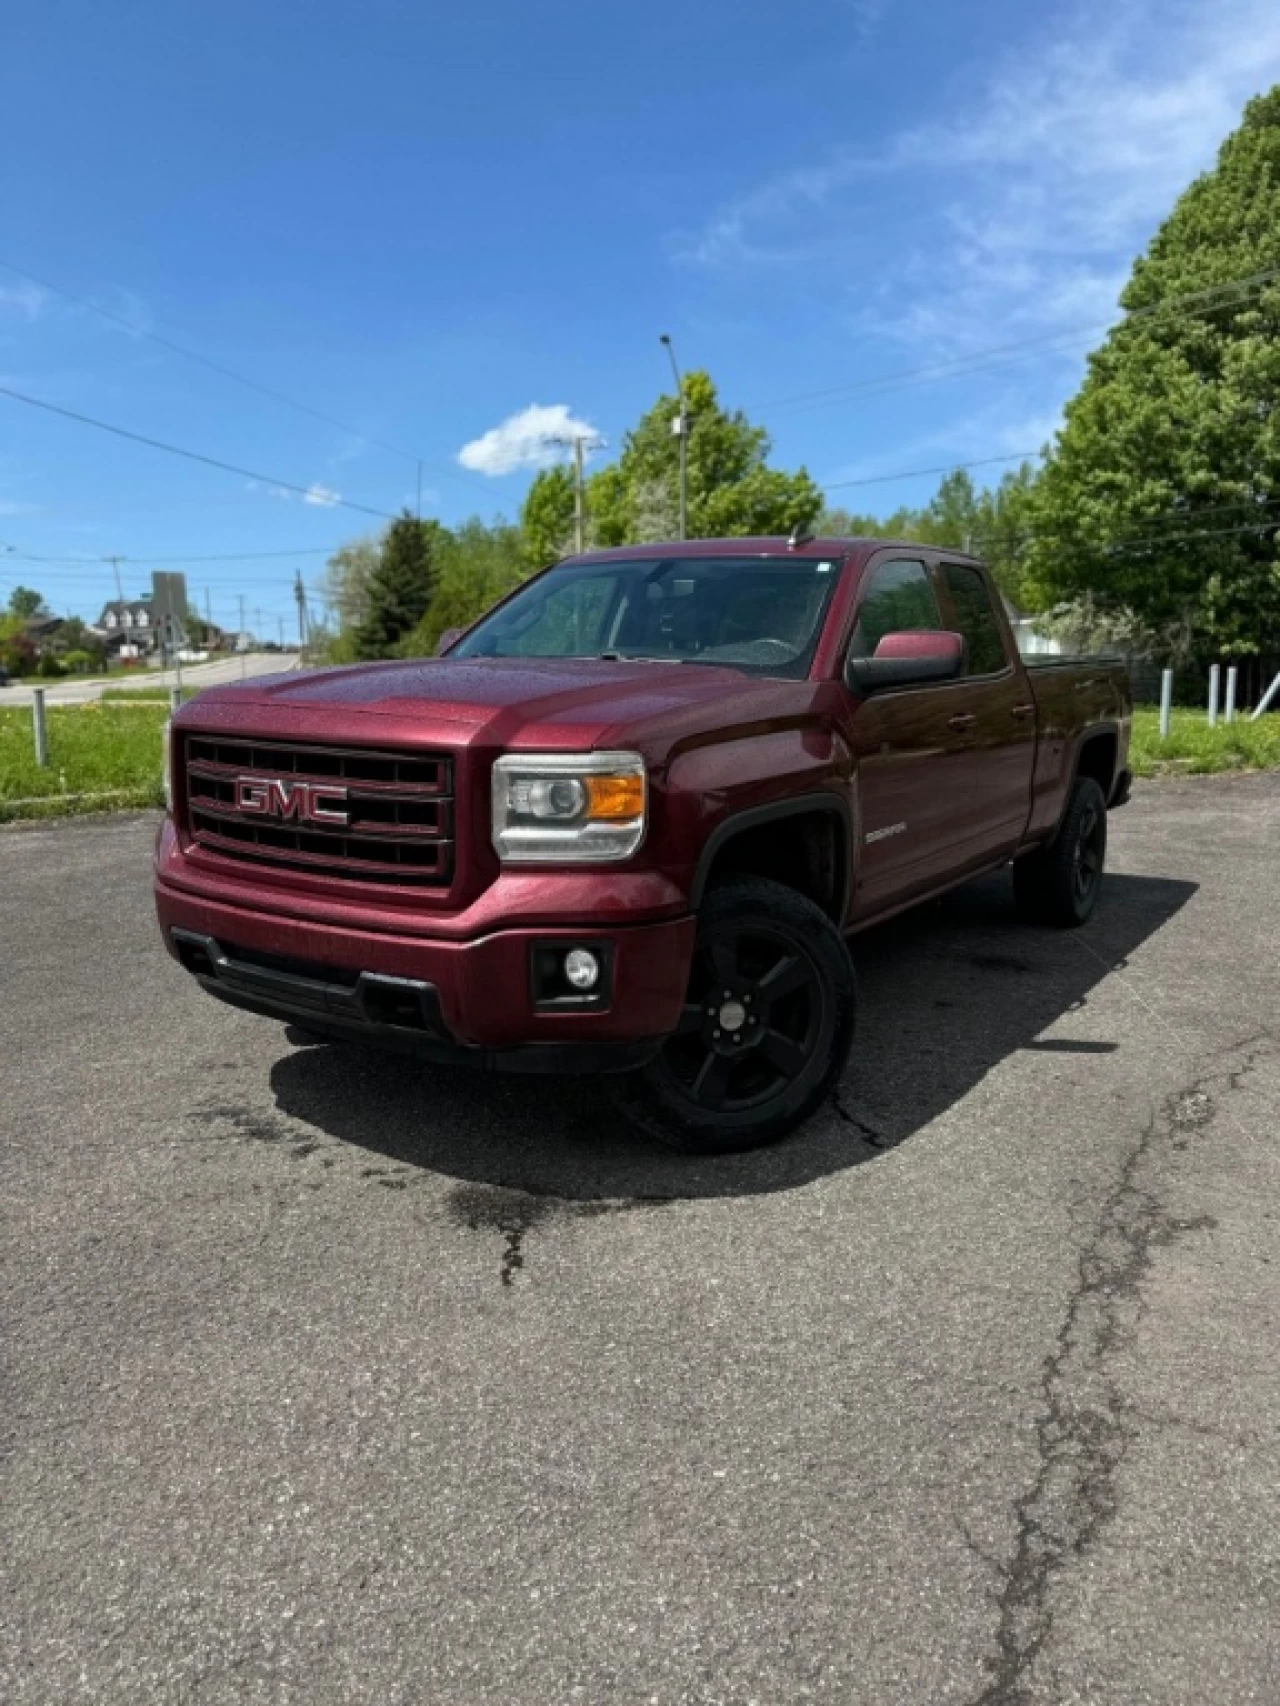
[(231, 557), (997, 355), (916, 473), (330, 500), (226, 372)]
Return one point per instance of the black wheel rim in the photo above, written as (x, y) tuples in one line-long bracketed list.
[(753, 1019), (1090, 846)]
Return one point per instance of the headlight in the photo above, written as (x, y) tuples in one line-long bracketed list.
[(570, 808), (168, 766)]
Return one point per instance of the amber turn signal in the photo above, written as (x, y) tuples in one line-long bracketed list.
[(614, 798)]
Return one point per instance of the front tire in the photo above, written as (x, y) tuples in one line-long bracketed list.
[(766, 1027), (1059, 884)]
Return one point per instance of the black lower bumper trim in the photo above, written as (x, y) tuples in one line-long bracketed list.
[(400, 1014)]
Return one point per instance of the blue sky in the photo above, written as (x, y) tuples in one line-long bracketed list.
[(421, 221)]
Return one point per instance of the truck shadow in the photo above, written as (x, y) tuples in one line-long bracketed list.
[(947, 992)]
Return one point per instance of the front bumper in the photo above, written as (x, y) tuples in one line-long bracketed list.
[(389, 1012), (469, 999)]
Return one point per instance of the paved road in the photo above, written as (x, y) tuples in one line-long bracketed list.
[(72, 692), (332, 1381)]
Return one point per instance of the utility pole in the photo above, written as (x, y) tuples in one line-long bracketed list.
[(240, 638), (579, 445), (680, 427), (579, 500), (208, 608), (280, 620), (115, 564), (419, 510), (300, 593)]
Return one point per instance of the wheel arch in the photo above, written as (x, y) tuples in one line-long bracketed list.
[(816, 861), (1098, 756)]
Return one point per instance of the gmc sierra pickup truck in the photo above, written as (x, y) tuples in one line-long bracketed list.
[(628, 821)]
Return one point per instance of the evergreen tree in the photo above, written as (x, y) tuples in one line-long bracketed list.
[(399, 589)]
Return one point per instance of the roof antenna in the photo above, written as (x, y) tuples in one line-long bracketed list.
[(800, 535)]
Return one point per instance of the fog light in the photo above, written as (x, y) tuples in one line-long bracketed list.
[(581, 969)]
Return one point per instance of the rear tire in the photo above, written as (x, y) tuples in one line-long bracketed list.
[(767, 1024), (1059, 883)]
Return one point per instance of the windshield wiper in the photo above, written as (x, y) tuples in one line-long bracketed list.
[(637, 657)]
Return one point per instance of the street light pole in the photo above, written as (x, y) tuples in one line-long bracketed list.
[(682, 431)]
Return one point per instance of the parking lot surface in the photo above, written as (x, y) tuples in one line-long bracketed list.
[(333, 1378)]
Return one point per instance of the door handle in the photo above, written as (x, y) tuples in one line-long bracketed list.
[(1022, 711), (962, 720)]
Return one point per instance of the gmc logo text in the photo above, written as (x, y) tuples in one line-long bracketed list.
[(278, 796)]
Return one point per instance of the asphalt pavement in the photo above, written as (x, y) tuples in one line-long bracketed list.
[(335, 1379), (72, 690)]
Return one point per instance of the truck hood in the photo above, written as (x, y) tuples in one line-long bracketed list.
[(558, 703)]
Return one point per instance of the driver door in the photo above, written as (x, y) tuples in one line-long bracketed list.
[(906, 746)]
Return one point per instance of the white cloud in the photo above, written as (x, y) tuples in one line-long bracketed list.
[(323, 497), (11, 506), (1034, 188), (27, 301), (526, 440)]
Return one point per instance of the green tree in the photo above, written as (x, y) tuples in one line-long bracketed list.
[(17, 649), (400, 588), (1002, 525), (732, 491), (546, 517), (1162, 494), (344, 585), (951, 515), (25, 603), (476, 565)]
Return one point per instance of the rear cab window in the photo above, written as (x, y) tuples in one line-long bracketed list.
[(975, 618)]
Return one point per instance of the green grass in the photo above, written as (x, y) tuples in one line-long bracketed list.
[(1193, 748), (101, 758), (106, 757)]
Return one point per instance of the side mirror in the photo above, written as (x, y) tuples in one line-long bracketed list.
[(923, 654), (448, 639)]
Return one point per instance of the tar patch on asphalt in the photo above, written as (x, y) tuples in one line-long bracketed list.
[(496, 1208)]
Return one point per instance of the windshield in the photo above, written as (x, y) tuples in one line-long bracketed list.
[(755, 613)]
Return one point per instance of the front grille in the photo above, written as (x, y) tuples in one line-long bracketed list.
[(399, 808)]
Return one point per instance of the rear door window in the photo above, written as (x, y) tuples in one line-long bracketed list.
[(899, 596), (976, 619)]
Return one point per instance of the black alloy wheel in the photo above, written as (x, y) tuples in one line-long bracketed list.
[(765, 1028), (1088, 854), (1060, 883)]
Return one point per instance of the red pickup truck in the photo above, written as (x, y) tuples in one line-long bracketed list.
[(630, 818)]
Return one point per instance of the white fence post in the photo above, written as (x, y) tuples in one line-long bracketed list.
[(1166, 702), (175, 701), (1214, 674), (1265, 701), (1229, 712), (40, 726)]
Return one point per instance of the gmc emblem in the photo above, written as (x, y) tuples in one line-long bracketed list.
[(277, 796)]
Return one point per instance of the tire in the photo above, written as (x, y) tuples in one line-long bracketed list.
[(772, 962), (1059, 883)]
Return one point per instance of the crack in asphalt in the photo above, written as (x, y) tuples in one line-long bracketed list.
[(1085, 1426), (868, 1133)]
